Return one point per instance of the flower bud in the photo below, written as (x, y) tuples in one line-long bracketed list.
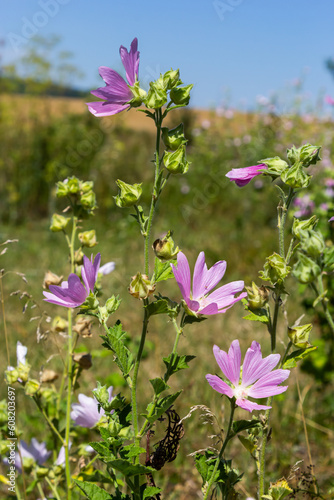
[(59, 223), (88, 238), (309, 155), (305, 269), (171, 78), (31, 387), (299, 335), (275, 269), (138, 95), (301, 225), (11, 376), (84, 360), (157, 95), (48, 376), (62, 189), (86, 186), (88, 200), (114, 428), (59, 324), (296, 177), (73, 185), (102, 396), (83, 327), (78, 257), (129, 194), (181, 95), (329, 259), (165, 249), (173, 138), (275, 165), (112, 304), (312, 242), (42, 472), (51, 279), (176, 162), (91, 303), (257, 296), (140, 286), (23, 372)]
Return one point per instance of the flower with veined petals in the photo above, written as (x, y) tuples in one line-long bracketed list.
[(257, 379), (73, 293), (242, 176), (116, 93), (200, 300), (86, 413)]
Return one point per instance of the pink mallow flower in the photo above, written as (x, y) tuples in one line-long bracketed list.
[(255, 379), (116, 93), (73, 293), (37, 451), (199, 300), (86, 413), (331, 219), (242, 176)]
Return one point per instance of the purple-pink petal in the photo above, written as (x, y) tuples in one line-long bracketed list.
[(210, 309), (106, 108), (242, 176), (182, 275), (200, 270), (250, 405), (268, 384), (254, 366), (214, 275), (130, 61), (229, 363), (90, 270), (219, 385), (265, 392)]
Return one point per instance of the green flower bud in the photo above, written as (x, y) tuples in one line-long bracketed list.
[(41, 472), (296, 177), (138, 95), (171, 78), (173, 138), (23, 372), (165, 249), (73, 185), (293, 155), (181, 95), (114, 428), (312, 242), (91, 303), (102, 396), (275, 165), (87, 186), (28, 464), (305, 269), (275, 269), (329, 259), (299, 335), (157, 95), (140, 286), (128, 195), (112, 304), (3, 420), (88, 200), (62, 189), (176, 162), (309, 155), (257, 296), (11, 376), (301, 225), (88, 238), (78, 257), (31, 387), (59, 223)]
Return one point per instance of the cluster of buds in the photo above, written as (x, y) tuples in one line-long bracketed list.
[(157, 95), (81, 193), (275, 269), (175, 161)]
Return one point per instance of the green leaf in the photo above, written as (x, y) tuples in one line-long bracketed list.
[(243, 425), (114, 342), (102, 449), (162, 270), (159, 385), (96, 477), (92, 491), (179, 362), (291, 360), (162, 405), (157, 307), (248, 443), (150, 491), (132, 451), (32, 485), (257, 314), (129, 469), (189, 319)]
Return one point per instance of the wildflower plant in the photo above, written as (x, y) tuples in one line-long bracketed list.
[(125, 463)]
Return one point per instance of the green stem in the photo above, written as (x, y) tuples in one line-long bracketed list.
[(166, 377), (263, 450), (135, 378), (227, 438), (69, 375), (285, 354), (324, 305), (50, 424), (155, 192), (53, 488)]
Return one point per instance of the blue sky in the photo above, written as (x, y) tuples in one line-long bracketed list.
[(239, 48)]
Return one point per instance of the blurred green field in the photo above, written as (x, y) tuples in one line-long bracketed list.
[(45, 141)]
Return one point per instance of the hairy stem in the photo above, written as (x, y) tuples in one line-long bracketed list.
[(208, 486)]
